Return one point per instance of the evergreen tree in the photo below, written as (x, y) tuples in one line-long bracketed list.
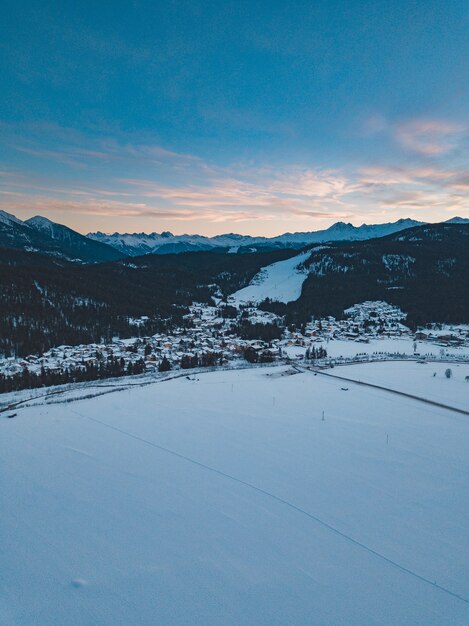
[(165, 365)]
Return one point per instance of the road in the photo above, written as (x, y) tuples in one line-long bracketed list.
[(381, 388)]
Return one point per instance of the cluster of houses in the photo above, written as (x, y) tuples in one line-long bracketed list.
[(206, 339), (209, 338), (370, 319), (445, 337)]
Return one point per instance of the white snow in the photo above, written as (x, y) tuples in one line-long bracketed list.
[(281, 281), (8, 218), (226, 499), (142, 242), (341, 347), (426, 380), (41, 223)]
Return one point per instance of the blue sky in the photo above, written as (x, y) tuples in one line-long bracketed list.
[(257, 117)]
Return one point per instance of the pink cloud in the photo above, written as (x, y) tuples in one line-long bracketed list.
[(47, 205), (428, 137), (167, 185)]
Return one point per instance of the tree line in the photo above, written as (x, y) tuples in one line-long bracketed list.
[(112, 367)]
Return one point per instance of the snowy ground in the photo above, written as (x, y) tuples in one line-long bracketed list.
[(228, 500), (281, 281), (342, 347), (416, 378)]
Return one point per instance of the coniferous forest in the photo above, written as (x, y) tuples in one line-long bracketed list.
[(46, 302)]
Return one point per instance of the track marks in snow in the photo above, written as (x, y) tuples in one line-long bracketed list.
[(292, 506)]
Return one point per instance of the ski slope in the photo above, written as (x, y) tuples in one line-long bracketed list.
[(281, 281), (228, 500)]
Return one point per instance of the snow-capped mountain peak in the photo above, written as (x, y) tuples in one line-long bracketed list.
[(41, 223), (135, 244), (458, 220), (140, 243), (341, 226), (8, 218)]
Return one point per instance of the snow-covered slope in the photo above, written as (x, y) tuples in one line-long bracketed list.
[(136, 244), (45, 225), (73, 244), (229, 501), (458, 220), (38, 234), (8, 218), (340, 231), (281, 281)]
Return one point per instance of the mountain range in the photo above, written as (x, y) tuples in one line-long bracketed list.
[(136, 244), (39, 234)]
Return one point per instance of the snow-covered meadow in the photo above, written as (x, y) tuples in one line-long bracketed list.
[(387, 345), (427, 380), (228, 499)]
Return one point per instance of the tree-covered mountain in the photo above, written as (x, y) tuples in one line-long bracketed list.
[(47, 301), (73, 244), (424, 270), (39, 234)]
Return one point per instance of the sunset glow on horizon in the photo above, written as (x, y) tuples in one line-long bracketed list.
[(199, 117)]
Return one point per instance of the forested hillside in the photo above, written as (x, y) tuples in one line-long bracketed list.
[(47, 302), (424, 270)]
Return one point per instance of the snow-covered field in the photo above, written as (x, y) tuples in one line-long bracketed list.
[(426, 380), (228, 500), (281, 281), (345, 348)]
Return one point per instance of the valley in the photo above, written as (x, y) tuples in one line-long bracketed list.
[(234, 313)]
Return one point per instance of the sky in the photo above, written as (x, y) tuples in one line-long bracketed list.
[(249, 116)]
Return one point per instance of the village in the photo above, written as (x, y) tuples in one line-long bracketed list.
[(213, 336)]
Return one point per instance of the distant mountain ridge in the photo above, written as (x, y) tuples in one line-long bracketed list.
[(135, 244), (39, 234)]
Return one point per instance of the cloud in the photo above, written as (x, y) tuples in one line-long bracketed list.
[(264, 194), (416, 188), (382, 176), (67, 158), (428, 137), (295, 192), (115, 209), (108, 149), (270, 196), (309, 183), (131, 177)]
